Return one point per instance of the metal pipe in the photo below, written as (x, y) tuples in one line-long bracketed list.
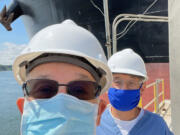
[(148, 19), (150, 85), (138, 15), (107, 27), (147, 105)]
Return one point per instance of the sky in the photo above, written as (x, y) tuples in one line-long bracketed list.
[(11, 42)]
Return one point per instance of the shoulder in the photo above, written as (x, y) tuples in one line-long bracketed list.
[(106, 116), (157, 122), (107, 125), (153, 117)]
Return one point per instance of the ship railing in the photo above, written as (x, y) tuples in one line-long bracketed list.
[(156, 88), (132, 17)]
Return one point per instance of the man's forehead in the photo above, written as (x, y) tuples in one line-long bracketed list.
[(80, 76), (122, 75)]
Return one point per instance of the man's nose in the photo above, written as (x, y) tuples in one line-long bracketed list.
[(124, 86), (62, 89)]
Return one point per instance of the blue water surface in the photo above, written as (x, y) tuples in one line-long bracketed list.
[(9, 114)]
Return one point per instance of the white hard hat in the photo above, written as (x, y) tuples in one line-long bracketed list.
[(69, 39), (127, 62)]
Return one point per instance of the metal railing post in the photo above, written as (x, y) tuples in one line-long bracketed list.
[(157, 95), (163, 95), (140, 102), (155, 103)]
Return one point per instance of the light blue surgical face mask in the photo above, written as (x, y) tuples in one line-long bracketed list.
[(60, 115)]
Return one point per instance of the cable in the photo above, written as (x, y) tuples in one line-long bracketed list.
[(124, 33), (92, 2), (150, 6), (147, 13), (126, 29)]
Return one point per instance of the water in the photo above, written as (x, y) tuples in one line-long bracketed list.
[(9, 114)]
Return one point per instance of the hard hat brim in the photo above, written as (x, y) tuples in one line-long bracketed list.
[(130, 72), (20, 72)]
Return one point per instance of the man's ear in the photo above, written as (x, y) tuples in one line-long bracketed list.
[(20, 104), (143, 87), (101, 108)]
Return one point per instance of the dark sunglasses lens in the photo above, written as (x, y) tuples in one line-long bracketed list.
[(84, 90), (41, 88)]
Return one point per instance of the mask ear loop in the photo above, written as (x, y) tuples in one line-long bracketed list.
[(141, 86)]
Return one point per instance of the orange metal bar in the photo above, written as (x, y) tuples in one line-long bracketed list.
[(155, 105), (140, 102), (163, 96)]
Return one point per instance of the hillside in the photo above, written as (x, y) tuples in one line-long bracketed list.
[(5, 67)]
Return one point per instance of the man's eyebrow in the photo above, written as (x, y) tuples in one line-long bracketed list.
[(82, 76), (43, 76), (39, 77), (114, 78), (134, 77)]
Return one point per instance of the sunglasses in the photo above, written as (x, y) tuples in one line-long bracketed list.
[(45, 88)]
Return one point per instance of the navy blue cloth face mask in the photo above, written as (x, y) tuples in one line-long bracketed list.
[(124, 100)]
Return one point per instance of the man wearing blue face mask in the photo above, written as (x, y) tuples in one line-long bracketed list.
[(62, 71), (123, 116)]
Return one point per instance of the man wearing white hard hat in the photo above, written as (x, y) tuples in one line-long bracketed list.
[(62, 71), (123, 116)]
